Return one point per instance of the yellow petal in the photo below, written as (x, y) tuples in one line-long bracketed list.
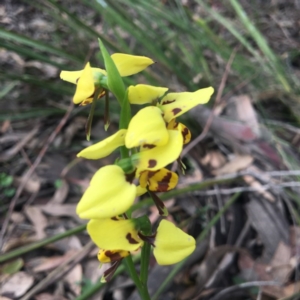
[(107, 256), (147, 128), (73, 76), (161, 180), (172, 244), (108, 195), (184, 130), (140, 191), (142, 93), (159, 157), (105, 147), (114, 234), (130, 64), (85, 86), (176, 104)]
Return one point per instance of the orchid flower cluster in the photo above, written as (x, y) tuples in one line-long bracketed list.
[(148, 142)]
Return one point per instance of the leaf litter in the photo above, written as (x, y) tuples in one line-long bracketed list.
[(255, 241)]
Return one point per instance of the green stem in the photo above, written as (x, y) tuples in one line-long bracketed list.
[(202, 235), (98, 285), (33, 246), (145, 259), (143, 290)]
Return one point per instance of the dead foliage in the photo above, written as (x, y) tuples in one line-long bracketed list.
[(252, 250)]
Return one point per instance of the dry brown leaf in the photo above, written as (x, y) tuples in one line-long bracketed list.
[(17, 217), (258, 187), (60, 210), (214, 159), (253, 270), (73, 278), (291, 289), (42, 264), (60, 194), (37, 218), (238, 163), (281, 267), (17, 284), (33, 184), (246, 113)]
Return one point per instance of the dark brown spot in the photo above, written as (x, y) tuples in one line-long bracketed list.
[(185, 132), (152, 163), (130, 177), (130, 239), (168, 102), (149, 146), (176, 111), (151, 173), (115, 219), (113, 256), (163, 185)]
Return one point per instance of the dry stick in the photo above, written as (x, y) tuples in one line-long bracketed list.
[(245, 285), (60, 271), (31, 170), (13, 151), (218, 98), (262, 188)]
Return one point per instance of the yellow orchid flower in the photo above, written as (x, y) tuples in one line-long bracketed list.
[(147, 128), (108, 195), (161, 180), (114, 234), (87, 80), (160, 156), (173, 104), (171, 244)]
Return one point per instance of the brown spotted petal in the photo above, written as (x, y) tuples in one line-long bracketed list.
[(186, 134), (159, 157), (107, 256), (161, 180), (114, 234), (175, 104)]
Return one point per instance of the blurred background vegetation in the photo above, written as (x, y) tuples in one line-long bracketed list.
[(191, 41)]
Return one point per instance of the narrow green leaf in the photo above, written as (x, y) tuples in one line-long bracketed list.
[(262, 43), (114, 80), (36, 44)]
